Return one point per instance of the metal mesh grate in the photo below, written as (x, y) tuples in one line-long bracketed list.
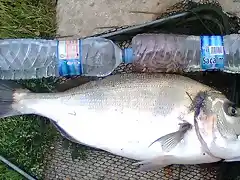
[(100, 165)]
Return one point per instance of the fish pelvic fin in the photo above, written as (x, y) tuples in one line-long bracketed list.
[(154, 163), (10, 95)]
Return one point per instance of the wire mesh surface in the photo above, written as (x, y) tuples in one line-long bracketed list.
[(101, 165)]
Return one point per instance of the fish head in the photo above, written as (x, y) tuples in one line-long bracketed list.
[(217, 124)]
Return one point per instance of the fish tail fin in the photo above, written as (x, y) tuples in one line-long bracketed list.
[(10, 95)]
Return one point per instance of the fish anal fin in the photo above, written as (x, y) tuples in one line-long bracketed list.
[(155, 163), (232, 160), (151, 167)]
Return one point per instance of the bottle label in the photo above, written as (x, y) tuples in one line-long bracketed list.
[(69, 57), (212, 53)]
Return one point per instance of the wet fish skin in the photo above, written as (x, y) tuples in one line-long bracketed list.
[(121, 114), (96, 94), (219, 128)]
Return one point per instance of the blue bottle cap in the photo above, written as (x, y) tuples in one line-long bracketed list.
[(128, 55)]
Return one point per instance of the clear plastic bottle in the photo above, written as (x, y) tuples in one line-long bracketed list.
[(37, 58), (183, 53), (95, 56)]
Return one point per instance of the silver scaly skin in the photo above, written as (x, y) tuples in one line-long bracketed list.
[(146, 117)]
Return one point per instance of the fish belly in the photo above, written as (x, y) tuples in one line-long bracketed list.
[(129, 133)]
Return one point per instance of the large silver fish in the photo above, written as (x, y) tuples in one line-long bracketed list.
[(153, 118)]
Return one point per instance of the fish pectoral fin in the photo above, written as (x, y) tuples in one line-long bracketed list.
[(154, 163), (169, 141)]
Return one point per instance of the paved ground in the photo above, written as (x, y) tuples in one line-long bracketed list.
[(80, 18), (231, 6)]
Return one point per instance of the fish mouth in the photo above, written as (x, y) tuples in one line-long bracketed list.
[(204, 120)]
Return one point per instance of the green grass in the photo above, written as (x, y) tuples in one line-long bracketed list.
[(7, 173), (27, 18), (24, 140)]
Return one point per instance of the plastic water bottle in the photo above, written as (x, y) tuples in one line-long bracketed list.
[(95, 56), (37, 58), (184, 53)]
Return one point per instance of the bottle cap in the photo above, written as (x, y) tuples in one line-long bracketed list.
[(128, 55)]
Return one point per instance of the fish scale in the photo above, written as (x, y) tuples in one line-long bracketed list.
[(122, 114)]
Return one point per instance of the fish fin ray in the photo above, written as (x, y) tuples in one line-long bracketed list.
[(163, 139), (232, 159), (141, 162), (171, 140), (151, 167), (8, 88), (154, 163)]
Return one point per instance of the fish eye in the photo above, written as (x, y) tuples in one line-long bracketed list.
[(232, 111)]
